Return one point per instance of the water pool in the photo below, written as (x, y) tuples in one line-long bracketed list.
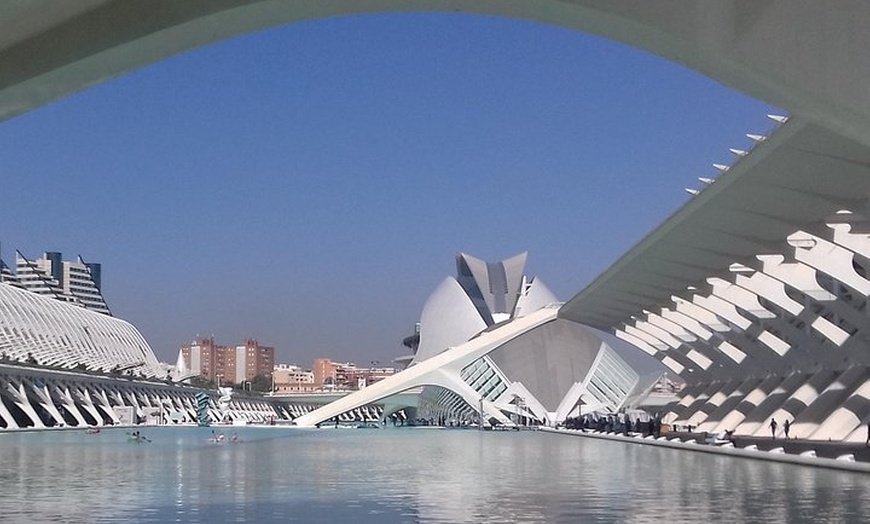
[(401, 475)]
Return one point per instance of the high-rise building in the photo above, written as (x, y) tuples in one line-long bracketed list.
[(228, 364), (75, 282)]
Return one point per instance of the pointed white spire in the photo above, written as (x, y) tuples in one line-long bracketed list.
[(180, 365), (756, 138), (721, 167), (706, 180), (777, 118), (693, 192), (738, 152)]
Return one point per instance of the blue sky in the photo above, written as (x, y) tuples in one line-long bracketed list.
[(309, 185)]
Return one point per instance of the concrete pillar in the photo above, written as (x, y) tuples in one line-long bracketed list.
[(748, 404), (839, 409)]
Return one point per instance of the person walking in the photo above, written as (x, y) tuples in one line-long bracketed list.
[(773, 425), (785, 426)]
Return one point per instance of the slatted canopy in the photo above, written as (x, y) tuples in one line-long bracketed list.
[(794, 180)]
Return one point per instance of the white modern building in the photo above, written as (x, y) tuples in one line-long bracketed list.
[(490, 344), (756, 291), (65, 365), (50, 332)]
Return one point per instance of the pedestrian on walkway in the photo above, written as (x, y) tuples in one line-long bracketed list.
[(773, 428), (785, 426)]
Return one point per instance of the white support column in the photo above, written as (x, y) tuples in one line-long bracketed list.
[(758, 418), (699, 400), (748, 404), (19, 396), (698, 344), (715, 400), (66, 399), (832, 416), (698, 360), (725, 407), (44, 395), (87, 404), (11, 423), (798, 401), (794, 274), (736, 346), (688, 395), (688, 323), (701, 315)]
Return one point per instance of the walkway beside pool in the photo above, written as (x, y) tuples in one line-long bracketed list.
[(835, 455)]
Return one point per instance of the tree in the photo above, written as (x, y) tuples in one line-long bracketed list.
[(261, 383)]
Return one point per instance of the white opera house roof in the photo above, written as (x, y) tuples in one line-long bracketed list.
[(51, 332)]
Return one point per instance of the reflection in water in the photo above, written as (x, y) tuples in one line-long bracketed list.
[(402, 476)]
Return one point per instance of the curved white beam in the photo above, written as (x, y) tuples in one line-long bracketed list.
[(441, 370), (52, 48)]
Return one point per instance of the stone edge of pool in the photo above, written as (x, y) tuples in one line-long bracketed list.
[(691, 445)]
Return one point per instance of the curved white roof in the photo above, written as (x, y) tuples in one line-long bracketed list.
[(55, 333), (449, 318)]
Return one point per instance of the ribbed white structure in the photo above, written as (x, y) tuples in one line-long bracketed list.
[(55, 333)]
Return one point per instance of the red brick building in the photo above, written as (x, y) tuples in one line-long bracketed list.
[(228, 364)]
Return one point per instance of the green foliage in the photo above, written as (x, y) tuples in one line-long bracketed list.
[(201, 382), (261, 383)]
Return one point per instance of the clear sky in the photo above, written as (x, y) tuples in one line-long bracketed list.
[(309, 185)]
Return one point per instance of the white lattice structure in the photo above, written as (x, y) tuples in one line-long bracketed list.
[(756, 291), (35, 397), (54, 333)]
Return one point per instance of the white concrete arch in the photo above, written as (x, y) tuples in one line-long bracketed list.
[(781, 51)]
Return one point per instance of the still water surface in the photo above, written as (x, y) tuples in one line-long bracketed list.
[(402, 476)]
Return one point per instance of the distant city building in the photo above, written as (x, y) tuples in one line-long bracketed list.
[(76, 282), (329, 374), (290, 378), (228, 364)]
